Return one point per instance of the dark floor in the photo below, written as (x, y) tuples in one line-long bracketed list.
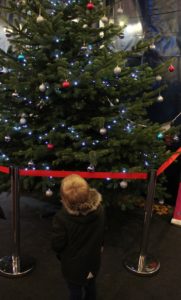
[(114, 282)]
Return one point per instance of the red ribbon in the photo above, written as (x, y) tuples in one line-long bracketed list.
[(100, 175)]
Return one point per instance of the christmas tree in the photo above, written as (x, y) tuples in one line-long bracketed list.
[(69, 100)]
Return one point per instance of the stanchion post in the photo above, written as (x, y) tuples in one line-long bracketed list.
[(15, 218), (15, 265), (142, 263)]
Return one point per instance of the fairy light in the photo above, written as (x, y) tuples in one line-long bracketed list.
[(16, 128), (146, 163)]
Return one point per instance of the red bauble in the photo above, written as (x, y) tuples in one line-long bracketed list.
[(171, 68), (90, 5), (50, 146), (168, 140), (66, 84)]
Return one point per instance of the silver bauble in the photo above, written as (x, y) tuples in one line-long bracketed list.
[(22, 121), (30, 163), (101, 34), (120, 10), (40, 19), (91, 168), (49, 193), (7, 138), (105, 19), (123, 184), (42, 87), (117, 70), (158, 78), (176, 138), (160, 98), (103, 131), (152, 46), (15, 94)]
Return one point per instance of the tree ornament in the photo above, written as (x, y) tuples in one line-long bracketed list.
[(166, 126), (42, 87), (90, 5), (30, 163), (161, 201), (40, 19), (152, 46), (84, 47), (50, 146), (7, 138), (85, 26), (160, 136), (158, 78), (49, 193), (121, 36), (123, 184), (103, 131), (91, 168), (176, 138), (171, 68), (168, 140), (15, 94), (117, 100), (117, 70), (160, 98), (20, 2), (120, 10), (22, 121), (21, 57), (101, 34), (66, 84), (104, 19)]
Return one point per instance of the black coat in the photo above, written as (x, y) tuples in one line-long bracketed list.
[(77, 240)]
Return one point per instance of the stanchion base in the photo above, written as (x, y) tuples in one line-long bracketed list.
[(150, 266), (7, 269)]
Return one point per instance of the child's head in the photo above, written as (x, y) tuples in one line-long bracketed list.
[(75, 193)]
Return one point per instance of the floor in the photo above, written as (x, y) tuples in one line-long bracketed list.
[(123, 236)]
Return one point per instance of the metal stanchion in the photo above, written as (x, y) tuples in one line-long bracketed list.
[(15, 265), (144, 264)]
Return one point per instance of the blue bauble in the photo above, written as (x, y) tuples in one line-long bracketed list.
[(21, 57), (160, 136)]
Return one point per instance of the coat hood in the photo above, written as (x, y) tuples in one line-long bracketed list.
[(85, 208)]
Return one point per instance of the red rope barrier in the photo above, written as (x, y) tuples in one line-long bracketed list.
[(4, 170), (100, 175), (112, 175), (169, 161)]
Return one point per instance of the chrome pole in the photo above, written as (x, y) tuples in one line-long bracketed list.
[(142, 263), (16, 219), (15, 265)]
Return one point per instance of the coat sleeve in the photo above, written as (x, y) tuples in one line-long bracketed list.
[(59, 236)]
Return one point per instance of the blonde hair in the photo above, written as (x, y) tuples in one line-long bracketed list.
[(74, 191)]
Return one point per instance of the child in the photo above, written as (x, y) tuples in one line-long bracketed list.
[(78, 230)]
